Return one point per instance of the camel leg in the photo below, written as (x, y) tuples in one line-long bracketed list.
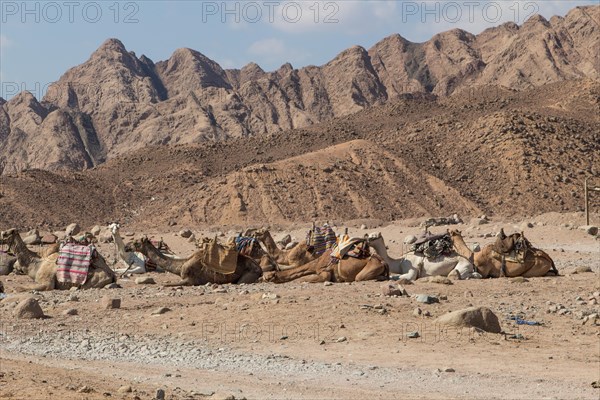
[(463, 269), (323, 276), (249, 277), (410, 276), (371, 271)]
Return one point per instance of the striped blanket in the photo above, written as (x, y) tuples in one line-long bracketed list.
[(245, 245), (73, 263), (321, 239)]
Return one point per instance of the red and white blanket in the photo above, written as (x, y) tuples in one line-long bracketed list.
[(73, 263)]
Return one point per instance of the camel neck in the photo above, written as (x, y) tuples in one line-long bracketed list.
[(24, 255), (270, 244), (120, 245), (173, 265), (461, 247), (381, 251)]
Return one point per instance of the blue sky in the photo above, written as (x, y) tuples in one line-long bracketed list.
[(40, 40)]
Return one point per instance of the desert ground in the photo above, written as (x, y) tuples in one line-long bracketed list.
[(308, 341)]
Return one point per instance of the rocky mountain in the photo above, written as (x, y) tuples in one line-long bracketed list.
[(494, 151), (117, 102)]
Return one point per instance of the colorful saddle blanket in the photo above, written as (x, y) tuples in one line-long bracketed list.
[(321, 239), (73, 263)]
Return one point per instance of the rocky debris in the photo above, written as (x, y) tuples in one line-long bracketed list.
[(417, 312), (125, 389), (426, 299), (270, 296), (291, 245), (28, 308), (452, 220), (341, 339), (185, 233), (287, 239), (518, 279), (413, 335), (590, 229), (70, 311), (145, 280), (478, 317), (109, 303), (160, 394), (161, 310), (393, 289), (582, 270), (328, 283), (49, 238), (32, 239), (479, 221), (410, 239), (72, 229)]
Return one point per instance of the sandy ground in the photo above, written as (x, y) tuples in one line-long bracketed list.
[(312, 341)]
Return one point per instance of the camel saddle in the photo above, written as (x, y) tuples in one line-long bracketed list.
[(513, 247), (351, 247), (433, 245), (320, 239), (219, 258)]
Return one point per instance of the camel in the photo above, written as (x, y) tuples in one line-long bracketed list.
[(43, 270), (413, 266), (192, 270), (135, 261), (298, 255), (325, 268), (490, 264), (257, 252)]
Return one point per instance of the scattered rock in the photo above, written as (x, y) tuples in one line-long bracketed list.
[(270, 296), (479, 317), (417, 312), (145, 280), (32, 239), (161, 310), (85, 389), (125, 389), (341, 339), (185, 233), (393, 289), (72, 229), (291, 245), (427, 299), (475, 247), (70, 311), (96, 230), (160, 394), (73, 297), (413, 335), (590, 229), (410, 239), (479, 221), (582, 270), (448, 370), (109, 303), (363, 227), (222, 396), (328, 283), (49, 239), (113, 286), (28, 308), (468, 294)]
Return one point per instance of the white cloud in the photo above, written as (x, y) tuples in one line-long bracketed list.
[(268, 47)]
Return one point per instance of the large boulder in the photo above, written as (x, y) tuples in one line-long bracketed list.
[(29, 309), (590, 229), (478, 317)]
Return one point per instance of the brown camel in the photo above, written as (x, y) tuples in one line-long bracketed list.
[(490, 264), (297, 256), (256, 250), (43, 269), (324, 269), (192, 270)]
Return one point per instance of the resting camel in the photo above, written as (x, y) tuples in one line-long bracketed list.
[(192, 270), (489, 263), (299, 255), (323, 269), (136, 262), (43, 270), (413, 266)]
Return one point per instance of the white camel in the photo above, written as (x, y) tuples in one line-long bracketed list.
[(135, 261), (413, 266)]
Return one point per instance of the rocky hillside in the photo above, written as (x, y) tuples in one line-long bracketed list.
[(117, 102), (499, 152)]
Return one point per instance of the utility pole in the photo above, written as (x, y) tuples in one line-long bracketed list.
[(587, 202)]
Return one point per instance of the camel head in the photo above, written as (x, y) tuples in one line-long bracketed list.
[(375, 239), (114, 227)]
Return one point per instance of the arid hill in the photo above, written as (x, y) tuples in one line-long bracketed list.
[(117, 102), (493, 151)]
